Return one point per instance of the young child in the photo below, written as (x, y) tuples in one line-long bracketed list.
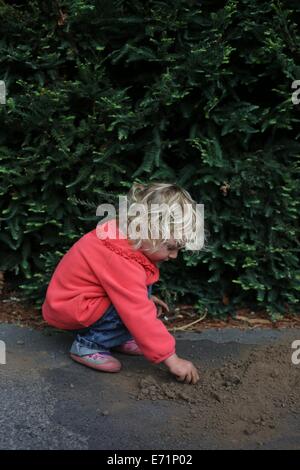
[(102, 286)]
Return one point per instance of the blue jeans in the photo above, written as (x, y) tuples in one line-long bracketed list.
[(107, 332)]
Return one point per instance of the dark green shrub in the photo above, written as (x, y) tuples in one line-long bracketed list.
[(104, 93)]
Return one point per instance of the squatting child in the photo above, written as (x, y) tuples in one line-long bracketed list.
[(101, 288)]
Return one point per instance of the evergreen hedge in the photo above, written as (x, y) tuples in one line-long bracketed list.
[(101, 93)]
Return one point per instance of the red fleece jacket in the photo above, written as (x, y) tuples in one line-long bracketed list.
[(96, 272)]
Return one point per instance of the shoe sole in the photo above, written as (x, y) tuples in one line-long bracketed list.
[(102, 367)]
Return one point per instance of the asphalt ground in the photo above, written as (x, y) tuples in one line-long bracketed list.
[(51, 402)]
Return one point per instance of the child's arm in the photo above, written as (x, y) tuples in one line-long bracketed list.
[(125, 285)]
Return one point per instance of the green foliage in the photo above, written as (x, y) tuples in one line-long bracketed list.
[(101, 93)]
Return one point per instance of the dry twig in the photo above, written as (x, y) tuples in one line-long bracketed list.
[(184, 327)]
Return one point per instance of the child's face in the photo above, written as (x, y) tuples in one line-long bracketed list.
[(165, 252)]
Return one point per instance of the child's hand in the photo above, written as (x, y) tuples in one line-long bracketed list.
[(161, 305), (185, 371)]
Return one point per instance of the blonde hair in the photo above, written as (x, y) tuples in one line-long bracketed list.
[(170, 211)]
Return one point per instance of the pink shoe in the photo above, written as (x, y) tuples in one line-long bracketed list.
[(104, 362), (130, 347)]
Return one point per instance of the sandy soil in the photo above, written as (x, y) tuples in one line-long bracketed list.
[(241, 399)]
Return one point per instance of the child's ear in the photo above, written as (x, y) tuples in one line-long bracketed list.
[(135, 188), (138, 186)]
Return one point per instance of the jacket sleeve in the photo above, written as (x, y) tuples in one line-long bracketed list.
[(125, 285)]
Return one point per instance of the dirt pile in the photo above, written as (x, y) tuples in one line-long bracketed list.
[(245, 398)]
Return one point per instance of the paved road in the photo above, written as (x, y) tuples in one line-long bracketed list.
[(50, 402)]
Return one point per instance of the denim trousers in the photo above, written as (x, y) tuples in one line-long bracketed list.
[(107, 332)]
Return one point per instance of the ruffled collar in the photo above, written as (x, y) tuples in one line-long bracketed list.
[(114, 239)]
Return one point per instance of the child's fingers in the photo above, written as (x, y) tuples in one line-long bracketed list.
[(186, 378), (163, 304), (180, 378), (193, 377), (189, 378), (195, 380), (196, 377)]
